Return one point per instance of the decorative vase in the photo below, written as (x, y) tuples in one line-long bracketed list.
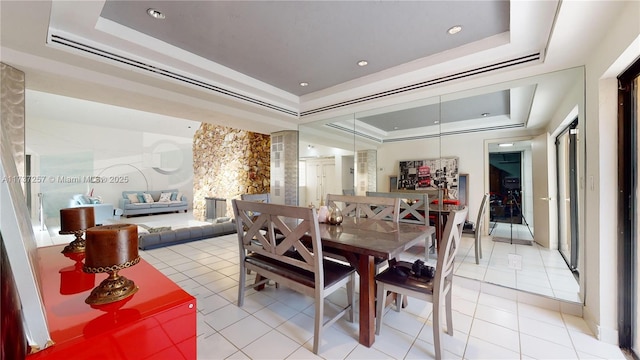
[(335, 216), (323, 214)]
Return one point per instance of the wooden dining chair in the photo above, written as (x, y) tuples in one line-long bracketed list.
[(262, 197), (378, 208), (296, 262), (479, 227), (266, 197), (402, 280), (414, 209)]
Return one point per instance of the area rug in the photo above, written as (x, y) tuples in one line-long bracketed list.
[(513, 241)]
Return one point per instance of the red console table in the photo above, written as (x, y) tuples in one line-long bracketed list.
[(157, 322)]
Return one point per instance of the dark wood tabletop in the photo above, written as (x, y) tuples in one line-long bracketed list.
[(440, 212), (363, 240)]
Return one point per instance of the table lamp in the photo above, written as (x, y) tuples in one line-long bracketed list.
[(75, 221), (109, 249)]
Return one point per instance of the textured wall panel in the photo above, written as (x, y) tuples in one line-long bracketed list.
[(284, 167), (12, 111)]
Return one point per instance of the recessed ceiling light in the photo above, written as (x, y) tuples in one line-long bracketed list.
[(505, 144), (454, 29), (155, 14), (395, 128), (304, 84), (485, 114), (363, 63), (436, 122)]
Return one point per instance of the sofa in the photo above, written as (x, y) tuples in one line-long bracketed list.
[(150, 239), (102, 212), (152, 202)]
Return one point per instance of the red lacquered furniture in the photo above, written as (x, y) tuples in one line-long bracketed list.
[(157, 322)]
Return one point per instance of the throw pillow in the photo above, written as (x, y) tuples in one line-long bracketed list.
[(174, 196), (165, 197), (133, 198), (96, 200), (83, 200), (159, 229), (148, 198), (140, 198), (179, 196)]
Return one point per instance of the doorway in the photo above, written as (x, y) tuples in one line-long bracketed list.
[(567, 161), (505, 187), (321, 179), (628, 214)]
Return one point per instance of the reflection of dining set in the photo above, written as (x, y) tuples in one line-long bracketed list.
[(293, 247)]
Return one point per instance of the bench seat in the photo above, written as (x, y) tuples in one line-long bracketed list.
[(333, 271)]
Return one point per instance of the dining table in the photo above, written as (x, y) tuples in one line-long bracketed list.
[(361, 241), (440, 213)]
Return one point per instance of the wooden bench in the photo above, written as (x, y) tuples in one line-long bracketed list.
[(294, 259)]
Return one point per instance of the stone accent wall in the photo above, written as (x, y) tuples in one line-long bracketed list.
[(227, 163)]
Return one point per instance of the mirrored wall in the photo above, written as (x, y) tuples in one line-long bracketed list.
[(501, 139)]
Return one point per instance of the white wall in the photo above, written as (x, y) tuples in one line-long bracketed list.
[(138, 157), (618, 49), (469, 148)]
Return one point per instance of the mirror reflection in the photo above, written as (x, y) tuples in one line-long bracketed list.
[(518, 141)]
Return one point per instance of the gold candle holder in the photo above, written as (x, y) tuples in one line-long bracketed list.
[(72, 279), (109, 249), (74, 221)]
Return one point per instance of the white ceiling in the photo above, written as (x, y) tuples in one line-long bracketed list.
[(239, 63)]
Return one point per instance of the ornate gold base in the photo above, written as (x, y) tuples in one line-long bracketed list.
[(112, 289), (77, 245)]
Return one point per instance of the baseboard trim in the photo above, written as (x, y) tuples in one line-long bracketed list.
[(542, 301)]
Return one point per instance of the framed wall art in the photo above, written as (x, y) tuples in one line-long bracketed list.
[(429, 174)]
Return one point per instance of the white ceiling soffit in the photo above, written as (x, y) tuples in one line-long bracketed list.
[(78, 27)]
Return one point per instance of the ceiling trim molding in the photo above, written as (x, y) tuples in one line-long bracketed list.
[(535, 57), (419, 137), (458, 132), (354, 132), (74, 45), (94, 51)]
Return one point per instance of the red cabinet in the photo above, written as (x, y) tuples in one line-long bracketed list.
[(157, 322)]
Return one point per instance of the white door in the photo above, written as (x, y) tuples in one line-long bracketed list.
[(331, 184), (313, 186), (321, 180), (542, 199)]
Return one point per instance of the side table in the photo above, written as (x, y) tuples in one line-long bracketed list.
[(157, 322)]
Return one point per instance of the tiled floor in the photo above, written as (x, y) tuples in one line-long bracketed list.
[(278, 323), (537, 269)]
